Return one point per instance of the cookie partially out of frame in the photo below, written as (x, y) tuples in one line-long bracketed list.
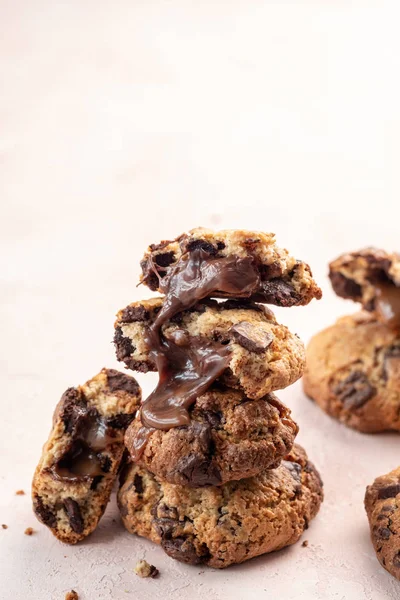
[(265, 356), (220, 526), (382, 503), (368, 276), (282, 280), (353, 373), (229, 437), (80, 460)]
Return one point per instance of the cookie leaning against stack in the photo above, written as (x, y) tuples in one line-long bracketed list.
[(212, 440)]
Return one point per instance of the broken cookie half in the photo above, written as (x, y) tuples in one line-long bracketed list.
[(81, 458)]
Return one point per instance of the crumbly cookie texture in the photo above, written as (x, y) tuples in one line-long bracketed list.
[(382, 503), (145, 569), (229, 437), (284, 281), (265, 356), (79, 464), (355, 275), (220, 526), (353, 373)]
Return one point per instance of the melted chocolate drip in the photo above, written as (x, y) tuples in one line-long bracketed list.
[(387, 304), (188, 366)]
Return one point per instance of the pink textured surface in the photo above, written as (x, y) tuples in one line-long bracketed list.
[(126, 122)]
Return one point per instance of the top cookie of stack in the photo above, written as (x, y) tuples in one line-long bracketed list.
[(213, 417)]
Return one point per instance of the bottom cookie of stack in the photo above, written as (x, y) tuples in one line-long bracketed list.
[(220, 526)]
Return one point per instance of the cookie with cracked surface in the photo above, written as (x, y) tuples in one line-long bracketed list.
[(372, 277), (80, 460), (229, 437), (353, 373), (220, 526), (382, 504), (231, 263), (265, 356)]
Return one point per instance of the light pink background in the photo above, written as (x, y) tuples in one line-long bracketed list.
[(125, 122)]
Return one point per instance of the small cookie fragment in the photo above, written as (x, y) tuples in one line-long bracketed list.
[(80, 461), (20, 493), (220, 526), (272, 275), (29, 531), (144, 569), (264, 355), (353, 373), (228, 438), (305, 544), (72, 595), (4, 526), (382, 504)]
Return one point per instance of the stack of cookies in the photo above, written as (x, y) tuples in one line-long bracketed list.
[(214, 475)]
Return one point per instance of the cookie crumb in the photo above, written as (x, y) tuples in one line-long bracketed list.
[(143, 569), (305, 544), (20, 493), (72, 595), (4, 526), (29, 531)]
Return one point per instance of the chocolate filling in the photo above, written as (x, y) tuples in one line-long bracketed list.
[(387, 304), (91, 434), (188, 366)]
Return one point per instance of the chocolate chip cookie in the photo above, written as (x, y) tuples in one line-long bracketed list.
[(80, 460), (231, 263), (263, 355), (220, 526), (353, 372), (382, 503), (228, 437), (372, 277)]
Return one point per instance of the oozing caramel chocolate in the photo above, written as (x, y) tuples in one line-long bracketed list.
[(78, 464), (387, 304), (90, 435), (188, 366)]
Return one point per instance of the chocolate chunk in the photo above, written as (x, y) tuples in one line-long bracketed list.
[(165, 259), (383, 533), (344, 287), (294, 469), (389, 491), (252, 338), (120, 421), (213, 418), (120, 381), (355, 390), (183, 550), (44, 513), (272, 271), (220, 245), (134, 314), (278, 292), (201, 245), (198, 471), (138, 483), (167, 512), (74, 515), (123, 345)]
